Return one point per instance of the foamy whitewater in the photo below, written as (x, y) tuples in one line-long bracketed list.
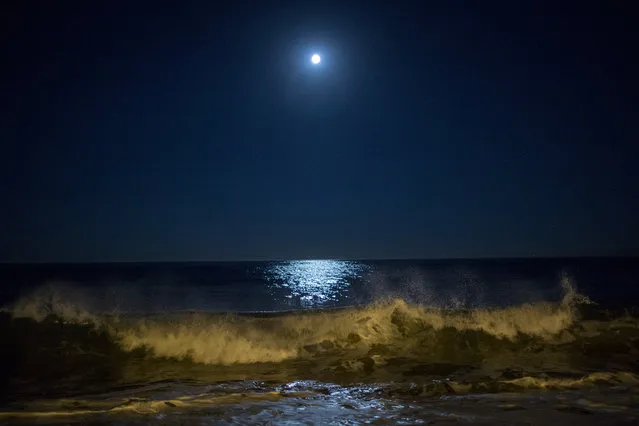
[(322, 342)]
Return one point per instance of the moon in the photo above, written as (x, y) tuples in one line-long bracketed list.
[(315, 59)]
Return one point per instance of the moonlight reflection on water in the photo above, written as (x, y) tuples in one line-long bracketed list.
[(314, 283)]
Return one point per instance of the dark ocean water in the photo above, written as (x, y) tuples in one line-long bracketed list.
[(322, 341)]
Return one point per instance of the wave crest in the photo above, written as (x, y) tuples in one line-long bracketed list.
[(243, 338)]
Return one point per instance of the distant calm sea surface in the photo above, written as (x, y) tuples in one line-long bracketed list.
[(321, 341)]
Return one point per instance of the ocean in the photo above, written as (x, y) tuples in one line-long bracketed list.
[(490, 341)]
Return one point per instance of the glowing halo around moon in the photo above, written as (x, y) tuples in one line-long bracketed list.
[(316, 59)]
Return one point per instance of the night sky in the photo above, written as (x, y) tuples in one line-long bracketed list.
[(153, 130)]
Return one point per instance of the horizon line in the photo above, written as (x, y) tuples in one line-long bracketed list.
[(352, 259)]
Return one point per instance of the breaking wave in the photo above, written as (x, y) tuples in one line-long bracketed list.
[(53, 341), (236, 338)]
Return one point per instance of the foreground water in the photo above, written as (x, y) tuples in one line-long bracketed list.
[(322, 342)]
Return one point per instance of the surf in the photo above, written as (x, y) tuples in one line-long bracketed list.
[(271, 337)]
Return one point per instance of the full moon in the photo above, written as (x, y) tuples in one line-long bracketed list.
[(316, 59)]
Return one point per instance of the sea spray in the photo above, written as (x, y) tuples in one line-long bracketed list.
[(232, 338)]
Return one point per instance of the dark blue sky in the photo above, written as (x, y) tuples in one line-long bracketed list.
[(199, 131)]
